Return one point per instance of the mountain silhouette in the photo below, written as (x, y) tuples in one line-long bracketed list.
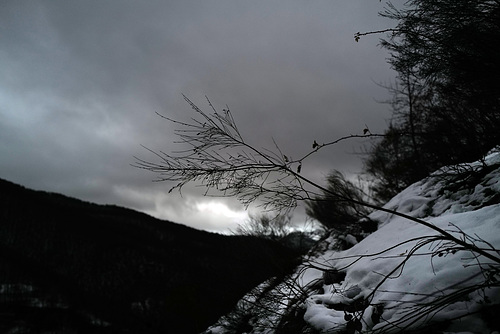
[(72, 266)]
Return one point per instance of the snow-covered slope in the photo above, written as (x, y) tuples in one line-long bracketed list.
[(405, 276)]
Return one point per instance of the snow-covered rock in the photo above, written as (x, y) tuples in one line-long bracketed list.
[(406, 276)]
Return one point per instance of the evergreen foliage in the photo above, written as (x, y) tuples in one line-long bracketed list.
[(337, 212)]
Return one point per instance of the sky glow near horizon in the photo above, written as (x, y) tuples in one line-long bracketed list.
[(81, 82)]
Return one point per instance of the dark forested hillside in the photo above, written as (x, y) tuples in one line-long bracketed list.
[(72, 266)]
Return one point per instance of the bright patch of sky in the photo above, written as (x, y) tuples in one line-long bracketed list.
[(221, 209)]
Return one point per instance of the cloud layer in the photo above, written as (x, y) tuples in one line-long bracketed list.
[(81, 82)]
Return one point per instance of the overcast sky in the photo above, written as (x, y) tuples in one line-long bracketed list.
[(80, 82)]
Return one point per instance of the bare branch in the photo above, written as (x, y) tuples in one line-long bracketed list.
[(218, 157)]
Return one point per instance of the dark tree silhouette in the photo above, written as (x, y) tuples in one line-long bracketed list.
[(447, 91), (333, 213)]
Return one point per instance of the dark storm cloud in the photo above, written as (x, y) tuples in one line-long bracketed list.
[(81, 81)]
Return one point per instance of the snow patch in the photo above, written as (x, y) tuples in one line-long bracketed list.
[(401, 275)]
